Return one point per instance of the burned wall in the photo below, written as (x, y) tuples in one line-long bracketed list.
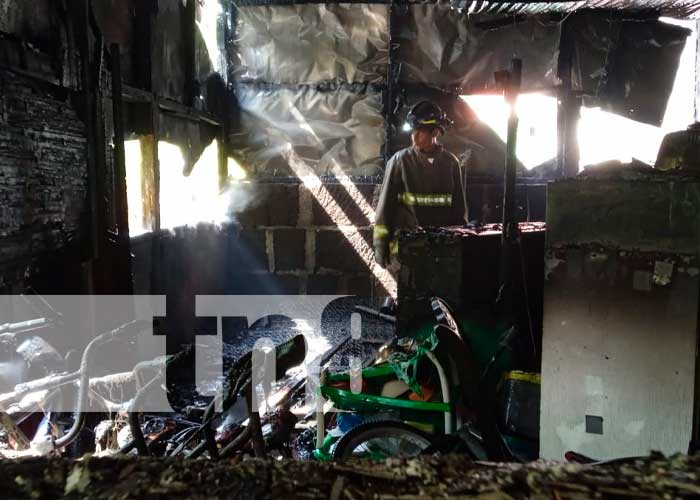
[(169, 50), (43, 173), (27, 20), (57, 132)]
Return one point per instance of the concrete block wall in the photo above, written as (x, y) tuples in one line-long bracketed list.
[(286, 242), (284, 239), (620, 317), (308, 239), (283, 243), (290, 238)]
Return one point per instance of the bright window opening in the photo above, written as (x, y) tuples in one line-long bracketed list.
[(189, 200), (137, 186), (537, 130), (605, 136), (185, 200), (602, 135)]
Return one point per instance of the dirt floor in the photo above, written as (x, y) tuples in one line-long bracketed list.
[(430, 477)]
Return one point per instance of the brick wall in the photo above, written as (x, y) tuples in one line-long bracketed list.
[(43, 174)]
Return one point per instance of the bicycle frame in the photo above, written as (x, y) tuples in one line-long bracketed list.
[(348, 400)]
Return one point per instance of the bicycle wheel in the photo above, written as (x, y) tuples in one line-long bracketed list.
[(381, 440)]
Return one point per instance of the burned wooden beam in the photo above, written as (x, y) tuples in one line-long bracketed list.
[(120, 198), (189, 27)]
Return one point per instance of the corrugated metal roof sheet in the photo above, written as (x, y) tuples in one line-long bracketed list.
[(674, 8)]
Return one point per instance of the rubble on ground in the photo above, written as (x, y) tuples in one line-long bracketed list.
[(427, 477)]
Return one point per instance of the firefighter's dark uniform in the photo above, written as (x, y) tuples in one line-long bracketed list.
[(419, 189), (680, 150)]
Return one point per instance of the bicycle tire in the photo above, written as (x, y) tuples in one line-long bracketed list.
[(380, 433)]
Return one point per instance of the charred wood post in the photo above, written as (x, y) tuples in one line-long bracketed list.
[(222, 159), (256, 436), (156, 249), (142, 55), (188, 29), (569, 111), (80, 13), (120, 201), (155, 162)]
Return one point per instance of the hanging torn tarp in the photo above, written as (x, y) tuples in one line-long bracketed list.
[(294, 132), (443, 48), (626, 66), (309, 43)]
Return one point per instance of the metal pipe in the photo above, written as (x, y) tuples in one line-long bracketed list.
[(22, 391), (50, 382), (134, 423), (510, 226), (445, 388), (154, 365), (32, 323), (79, 422), (137, 434), (376, 314), (198, 450), (237, 442), (511, 95), (209, 437), (320, 422)]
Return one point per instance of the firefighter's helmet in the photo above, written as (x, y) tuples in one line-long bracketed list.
[(426, 114)]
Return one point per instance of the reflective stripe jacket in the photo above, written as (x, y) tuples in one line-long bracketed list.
[(419, 189)]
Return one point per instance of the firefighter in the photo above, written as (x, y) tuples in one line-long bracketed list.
[(423, 185), (680, 150)]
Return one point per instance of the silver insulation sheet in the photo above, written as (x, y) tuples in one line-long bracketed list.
[(310, 43), (444, 48), (293, 132)]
